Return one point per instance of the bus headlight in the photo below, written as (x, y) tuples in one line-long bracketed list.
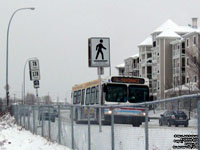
[(143, 113), (109, 112)]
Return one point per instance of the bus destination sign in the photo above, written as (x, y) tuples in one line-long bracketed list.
[(128, 80)]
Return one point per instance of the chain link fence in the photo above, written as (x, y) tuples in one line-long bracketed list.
[(169, 124)]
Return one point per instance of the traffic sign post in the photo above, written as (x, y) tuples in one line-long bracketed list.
[(99, 52), (34, 70), (36, 84), (99, 56)]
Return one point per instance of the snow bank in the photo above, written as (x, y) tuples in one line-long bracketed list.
[(13, 137)]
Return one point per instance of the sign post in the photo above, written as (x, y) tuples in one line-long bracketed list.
[(99, 57), (34, 70)]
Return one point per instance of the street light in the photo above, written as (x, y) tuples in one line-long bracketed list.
[(7, 85)]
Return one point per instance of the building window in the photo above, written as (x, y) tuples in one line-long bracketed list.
[(178, 47), (187, 79), (194, 40), (195, 78), (187, 43), (154, 43), (195, 59), (158, 54), (187, 61)]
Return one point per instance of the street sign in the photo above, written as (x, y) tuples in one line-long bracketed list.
[(36, 84), (34, 64), (34, 69), (35, 75), (99, 52)]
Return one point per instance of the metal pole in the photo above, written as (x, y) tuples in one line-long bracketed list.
[(24, 78), (89, 135), (198, 124), (59, 125), (72, 125), (42, 122), (99, 77), (24, 116), (49, 123), (112, 130), (146, 128), (33, 109), (8, 29), (37, 97), (28, 118)]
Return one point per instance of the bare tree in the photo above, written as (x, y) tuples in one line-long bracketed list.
[(46, 99), (30, 99), (193, 66)]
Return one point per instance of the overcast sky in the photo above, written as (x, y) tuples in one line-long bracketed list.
[(57, 33)]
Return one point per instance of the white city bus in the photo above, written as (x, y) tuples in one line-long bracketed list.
[(118, 90)]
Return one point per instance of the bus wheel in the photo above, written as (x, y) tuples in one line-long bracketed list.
[(136, 124)]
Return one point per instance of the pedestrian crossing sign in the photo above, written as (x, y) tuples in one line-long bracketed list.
[(99, 52)]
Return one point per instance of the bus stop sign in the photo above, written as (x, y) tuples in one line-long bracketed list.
[(99, 52)]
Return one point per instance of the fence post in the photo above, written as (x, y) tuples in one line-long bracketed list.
[(28, 118), (198, 124), (33, 109), (49, 123), (20, 115), (59, 125), (42, 122), (89, 135), (146, 128), (24, 116), (112, 129), (72, 125)]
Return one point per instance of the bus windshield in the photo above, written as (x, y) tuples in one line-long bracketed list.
[(138, 94), (116, 93)]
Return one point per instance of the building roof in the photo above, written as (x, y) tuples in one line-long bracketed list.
[(135, 56), (169, 24), (146, 42), (120, 66), (168, 34)]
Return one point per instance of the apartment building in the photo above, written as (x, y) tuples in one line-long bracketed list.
[(132, 65), (121, 69), (145, 60), (167, 57), (185, 60)]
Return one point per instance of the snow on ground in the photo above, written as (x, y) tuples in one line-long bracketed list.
[(13, 137)]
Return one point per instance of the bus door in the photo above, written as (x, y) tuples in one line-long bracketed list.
[(88, 101), (82, 103)]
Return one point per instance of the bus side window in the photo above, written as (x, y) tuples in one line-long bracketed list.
[(87, 101), (83, 96), (75, 97), (79, 97), (92, 98), (97, 95)]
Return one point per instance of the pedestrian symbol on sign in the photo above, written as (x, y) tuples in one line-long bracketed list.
[(99, 48)]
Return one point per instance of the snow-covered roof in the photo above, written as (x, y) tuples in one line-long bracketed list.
[(132, 57), (120, 66), (135, 56), (191, 33), (168, 34), (169, 24), (146, 42)]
